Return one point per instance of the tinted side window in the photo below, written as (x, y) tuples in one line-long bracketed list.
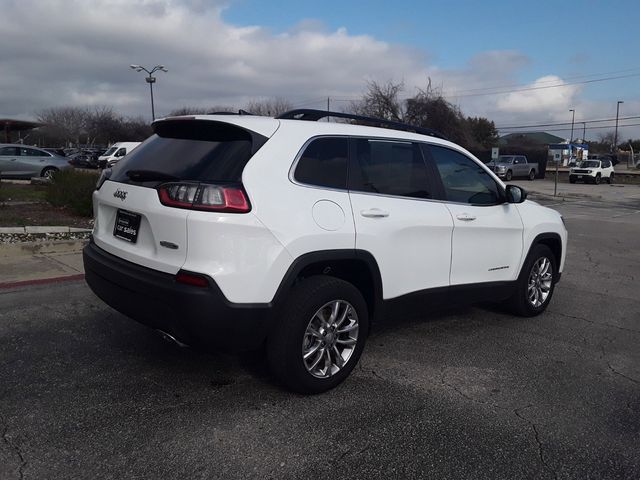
[(463, 179), (389, 167), (9, 151), (324, 163), (121, 153), (606, 164), (32, 152)]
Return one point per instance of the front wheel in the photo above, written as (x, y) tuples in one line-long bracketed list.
[(598, 179), (535, 285), (319, 335), (572, 179)]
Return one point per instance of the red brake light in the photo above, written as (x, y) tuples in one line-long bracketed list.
[(204, 196)]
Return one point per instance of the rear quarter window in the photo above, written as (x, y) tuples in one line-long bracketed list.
[(324, 163)]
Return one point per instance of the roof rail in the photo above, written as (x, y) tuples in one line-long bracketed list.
[(315, 115)]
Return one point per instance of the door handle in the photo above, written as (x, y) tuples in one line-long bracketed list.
[(374, 213), (466, 217)]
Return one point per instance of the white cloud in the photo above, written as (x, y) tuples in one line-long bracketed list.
[(75, 52), (539, 99)]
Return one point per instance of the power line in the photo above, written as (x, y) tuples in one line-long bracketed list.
[(550, 81), (578, 129), (542, 87), (567, 123)]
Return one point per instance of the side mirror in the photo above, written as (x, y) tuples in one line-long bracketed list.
[(516, 194)]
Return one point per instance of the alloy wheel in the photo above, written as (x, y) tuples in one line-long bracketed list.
[(540, 282), (330, 339)]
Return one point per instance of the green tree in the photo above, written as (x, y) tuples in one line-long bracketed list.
[(483, 131)]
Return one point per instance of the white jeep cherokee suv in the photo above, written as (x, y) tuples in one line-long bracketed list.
[(237, 232)]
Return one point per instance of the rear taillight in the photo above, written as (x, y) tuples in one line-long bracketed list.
[(204, 196), (104, 176)]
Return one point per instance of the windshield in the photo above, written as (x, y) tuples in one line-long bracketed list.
[(110, 151), (505, 159), (590, 164)]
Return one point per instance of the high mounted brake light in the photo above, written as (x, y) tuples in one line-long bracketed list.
[(204, 196)]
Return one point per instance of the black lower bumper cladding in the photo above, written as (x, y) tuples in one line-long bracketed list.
[(193, 315)]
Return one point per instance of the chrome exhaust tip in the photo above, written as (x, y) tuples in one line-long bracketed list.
[(170, 338)]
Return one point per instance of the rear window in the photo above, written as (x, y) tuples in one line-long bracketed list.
[(196, 150), (391, 168)]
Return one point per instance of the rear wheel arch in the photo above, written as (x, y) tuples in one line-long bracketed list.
[(358, 267)]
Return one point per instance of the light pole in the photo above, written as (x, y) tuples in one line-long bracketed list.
[(150, 80), (573, 117), (615, 138)]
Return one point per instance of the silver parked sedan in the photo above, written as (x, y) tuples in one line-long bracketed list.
[(20, 161)]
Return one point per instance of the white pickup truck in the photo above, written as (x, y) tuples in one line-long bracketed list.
[(509, 166)]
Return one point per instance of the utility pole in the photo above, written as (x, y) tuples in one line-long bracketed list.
[(615, 138), (584, 132)]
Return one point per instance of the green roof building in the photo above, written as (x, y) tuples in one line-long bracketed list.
[(529, 138)]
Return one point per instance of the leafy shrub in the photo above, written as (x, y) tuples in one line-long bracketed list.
[(73, 189)]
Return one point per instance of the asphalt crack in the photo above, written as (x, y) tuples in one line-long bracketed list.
[(536, 434), (612, 369), (597, 323), (7, 441), (637, 382)]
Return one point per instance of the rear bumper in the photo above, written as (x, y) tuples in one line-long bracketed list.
[(193, 315)]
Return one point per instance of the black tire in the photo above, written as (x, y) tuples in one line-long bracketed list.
[(598, 179), (285, 343), (508, 176), (610, 179), (572, 179), (520, 303), (532, 175), (48, 172)]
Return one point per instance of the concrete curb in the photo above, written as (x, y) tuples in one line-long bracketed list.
[(41, 248), (42, 230), (565, 195)]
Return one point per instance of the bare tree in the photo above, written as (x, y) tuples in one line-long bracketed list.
[(381, 101), (66, 123), (268, 107), (186, 110)]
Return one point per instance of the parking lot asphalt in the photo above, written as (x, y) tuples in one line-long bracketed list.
[(466, 392)]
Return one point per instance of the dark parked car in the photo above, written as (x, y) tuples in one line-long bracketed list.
[(83, 160), (56, 151)]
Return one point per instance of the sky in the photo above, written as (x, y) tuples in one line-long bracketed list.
[(517, 63)]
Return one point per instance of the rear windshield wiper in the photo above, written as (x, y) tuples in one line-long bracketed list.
[(149, 175)]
